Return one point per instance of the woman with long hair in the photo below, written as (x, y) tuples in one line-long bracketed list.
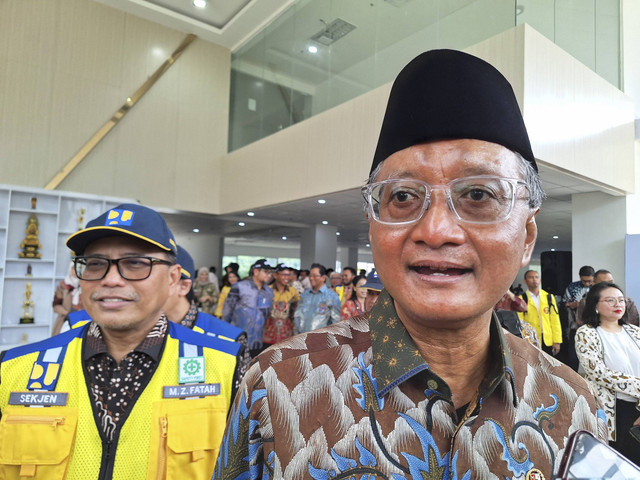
[(609, 352), (228, 280), (355, 305)]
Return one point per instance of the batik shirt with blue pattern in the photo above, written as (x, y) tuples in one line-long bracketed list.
[(247, 307), (317, 309), (356, 400)]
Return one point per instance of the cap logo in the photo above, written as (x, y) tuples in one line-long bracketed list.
[(120, 217)]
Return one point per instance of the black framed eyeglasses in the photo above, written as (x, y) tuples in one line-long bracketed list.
[(94, 268), (478, 199)]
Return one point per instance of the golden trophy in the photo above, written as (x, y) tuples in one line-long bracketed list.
[(27, 306), (81, 213), (31, 244), (34, 201)]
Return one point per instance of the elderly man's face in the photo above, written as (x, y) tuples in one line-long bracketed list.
[(440, 269), (123, 305)]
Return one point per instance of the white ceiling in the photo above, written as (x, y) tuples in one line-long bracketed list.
[(232, 23), (229, 23)]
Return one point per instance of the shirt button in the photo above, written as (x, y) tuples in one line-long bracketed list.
[(432, 384)]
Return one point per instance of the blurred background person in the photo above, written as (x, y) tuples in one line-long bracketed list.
[(66, 299), (575, 292), (603, 275), (279, 325), (319, 306), (542, 314), (304, 279), (249, 302), (608, 349), (356, 304), (228, 280), (295, 281), (205, 292), (374, 287)]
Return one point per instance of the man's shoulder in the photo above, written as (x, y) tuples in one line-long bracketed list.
[(213, 325), (57, 341), (353, 332), (328, 293), (528, 359), (188, 336)]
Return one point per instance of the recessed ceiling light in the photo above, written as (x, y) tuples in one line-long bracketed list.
[(322, 201), (199, 3), (196, 230), (241, 224), (368, 245), (251, 214), (337, 233), (325, 222), (284, 238), (555, 237), (312, 49)]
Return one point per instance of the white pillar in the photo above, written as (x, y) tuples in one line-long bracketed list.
[(318, 244), (598, 228)]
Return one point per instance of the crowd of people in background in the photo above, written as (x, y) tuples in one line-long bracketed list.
[(273, 303), (594, 328)]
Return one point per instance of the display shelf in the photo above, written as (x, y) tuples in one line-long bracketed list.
[(59, 215), (25, 277), (26, 325)]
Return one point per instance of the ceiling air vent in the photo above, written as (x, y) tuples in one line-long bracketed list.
[(333, 32)]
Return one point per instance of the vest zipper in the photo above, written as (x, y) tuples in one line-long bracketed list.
[(106, 465), (162, 450), (53, 421)]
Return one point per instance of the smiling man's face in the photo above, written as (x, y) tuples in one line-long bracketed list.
[(122, 305), (441, 270)]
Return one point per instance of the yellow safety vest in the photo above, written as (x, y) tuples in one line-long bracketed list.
[(173, 431)]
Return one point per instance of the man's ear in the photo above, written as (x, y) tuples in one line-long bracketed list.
[(530, 238), (174, 275), (184, 285)]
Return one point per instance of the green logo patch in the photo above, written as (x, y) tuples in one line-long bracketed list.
[(191, 370)]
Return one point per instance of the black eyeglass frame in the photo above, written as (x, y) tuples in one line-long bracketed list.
[(116, 262)]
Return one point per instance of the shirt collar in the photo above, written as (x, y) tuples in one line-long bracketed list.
[(396, 357), (151, 345), (191, 316), (322, 289)]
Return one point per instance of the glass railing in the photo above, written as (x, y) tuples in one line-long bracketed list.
[(321, 53)]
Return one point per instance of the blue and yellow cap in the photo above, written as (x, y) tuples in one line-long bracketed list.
[(373, 281), (127, 220), (187, 267)]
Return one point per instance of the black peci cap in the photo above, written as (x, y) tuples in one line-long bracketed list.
[(446, 95)]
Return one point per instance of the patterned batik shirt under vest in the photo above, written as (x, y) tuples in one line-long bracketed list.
[(357, 400)]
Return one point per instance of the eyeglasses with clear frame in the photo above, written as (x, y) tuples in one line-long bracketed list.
[(482, 199), (133, 268), (614, 301)]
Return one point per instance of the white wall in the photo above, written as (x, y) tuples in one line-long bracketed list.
[(69, 65), (598, 233), (631, 83), (206, 250)]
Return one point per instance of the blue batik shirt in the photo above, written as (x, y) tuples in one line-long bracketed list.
[(247, 307), (317, 309)]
